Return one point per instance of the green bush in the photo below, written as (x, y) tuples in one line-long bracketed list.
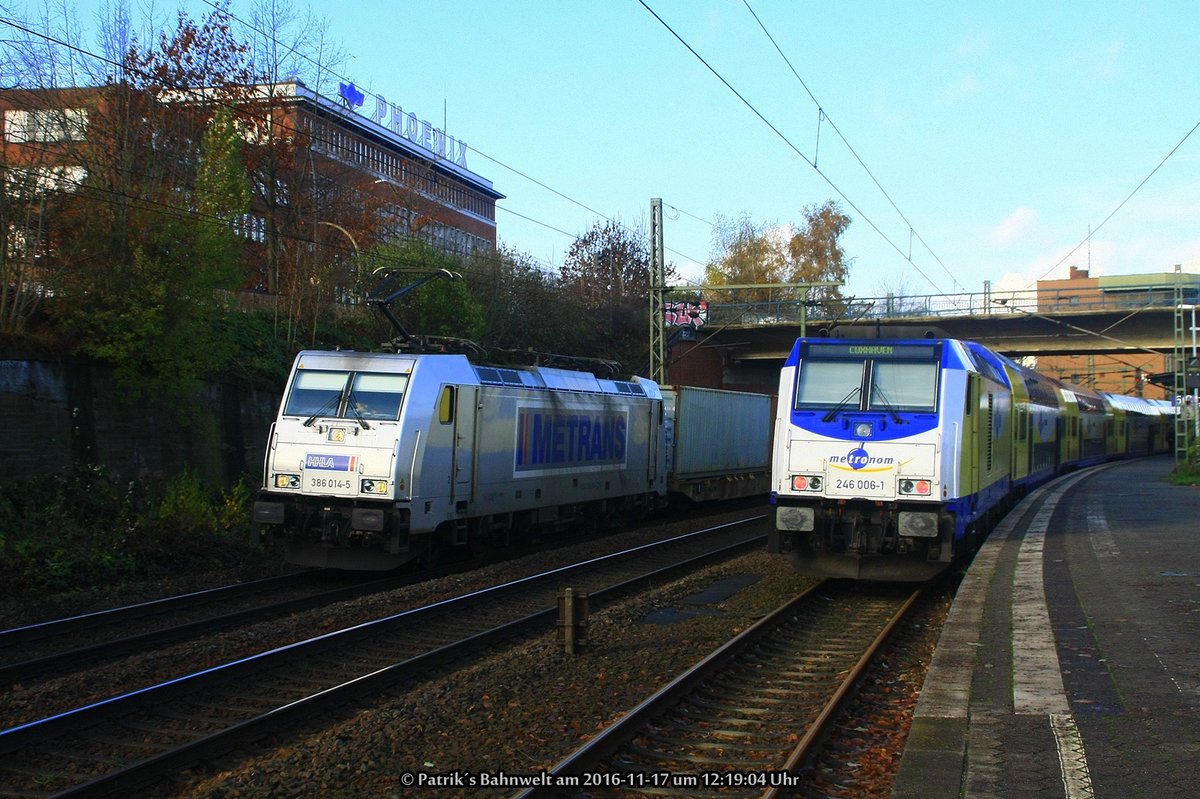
[(185, 508), (88, 530), (1187, 471)]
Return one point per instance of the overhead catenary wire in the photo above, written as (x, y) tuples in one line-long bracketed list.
[(1092, 231), (89, 54), (824, 117), (788, 142), (148, 202), (504, 165)]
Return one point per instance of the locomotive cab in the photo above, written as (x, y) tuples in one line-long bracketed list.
[(379, 459), (884, 452)]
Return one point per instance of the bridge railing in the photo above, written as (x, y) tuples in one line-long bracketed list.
[(852, 309)]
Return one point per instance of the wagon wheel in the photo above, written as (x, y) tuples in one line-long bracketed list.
[(481, 543), (430, 551)]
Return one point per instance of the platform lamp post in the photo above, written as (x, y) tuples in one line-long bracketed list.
[(353, 243), (1191, 375)]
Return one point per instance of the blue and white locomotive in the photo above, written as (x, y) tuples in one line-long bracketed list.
[(893, 457), (378, 459)]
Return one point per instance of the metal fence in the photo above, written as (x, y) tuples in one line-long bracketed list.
[(854, 309)]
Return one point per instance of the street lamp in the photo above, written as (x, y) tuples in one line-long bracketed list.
[(336, 226)]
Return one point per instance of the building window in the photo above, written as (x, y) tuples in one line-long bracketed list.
[(251, 227), (35, 182), (45, 125)]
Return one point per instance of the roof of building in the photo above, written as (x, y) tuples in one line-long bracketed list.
[(406, 132)]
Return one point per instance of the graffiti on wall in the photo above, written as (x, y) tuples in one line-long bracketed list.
[(691, 314)]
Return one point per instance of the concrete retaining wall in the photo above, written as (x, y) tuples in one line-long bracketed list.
[(53, 413)]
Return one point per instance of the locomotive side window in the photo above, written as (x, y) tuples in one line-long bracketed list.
[(315, 393), (377, 396), (446, 405)]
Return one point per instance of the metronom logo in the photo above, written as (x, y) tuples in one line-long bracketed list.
[(858, 458)]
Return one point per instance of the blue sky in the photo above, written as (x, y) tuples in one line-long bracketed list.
[(1000, 131)]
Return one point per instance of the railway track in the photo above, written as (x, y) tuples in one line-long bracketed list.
[(114, 746), (742, 721), (53, 647), (60, 646)]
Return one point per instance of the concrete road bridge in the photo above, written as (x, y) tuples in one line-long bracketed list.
[(753, 339)]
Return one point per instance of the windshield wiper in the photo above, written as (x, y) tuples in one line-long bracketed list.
[(845, 401), (352, 405), (887, 405), (330, 404)]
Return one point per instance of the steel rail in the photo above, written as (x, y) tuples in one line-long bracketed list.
[(825, 719), (593, 757), (147, 770), (120, 615), (91, 654)]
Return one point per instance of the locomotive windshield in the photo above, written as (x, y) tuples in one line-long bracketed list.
[(347, 395), (868, 377)]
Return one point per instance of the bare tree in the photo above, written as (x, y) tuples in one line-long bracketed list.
[(35, 181), (305, 202), (607, 273)]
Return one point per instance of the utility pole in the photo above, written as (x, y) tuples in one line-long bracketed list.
[(658, 295), (1182, 428)]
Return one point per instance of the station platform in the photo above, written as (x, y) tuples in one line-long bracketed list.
[(1069, 665)]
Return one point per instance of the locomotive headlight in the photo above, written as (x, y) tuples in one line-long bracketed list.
[(287, 481), (374, 486), (862, 430)]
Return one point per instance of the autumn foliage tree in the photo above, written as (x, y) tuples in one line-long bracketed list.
[(747, 254), (763, 255), (815, 254), (525, 305), (149, 232), (607, 272)]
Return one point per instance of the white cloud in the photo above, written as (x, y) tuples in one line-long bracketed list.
[(964, 87), (1100, 60), (1013, 227)]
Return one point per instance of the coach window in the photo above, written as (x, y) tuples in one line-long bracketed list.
[(446, 405)]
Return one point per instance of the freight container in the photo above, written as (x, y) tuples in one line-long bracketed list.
[(718, 442)]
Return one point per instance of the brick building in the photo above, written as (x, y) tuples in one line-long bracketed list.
[(326, 177), (1081, 292)]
